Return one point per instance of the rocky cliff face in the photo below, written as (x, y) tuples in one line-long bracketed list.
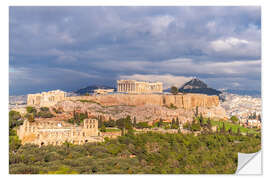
[(185, 101), (150, 107), (147, 112)]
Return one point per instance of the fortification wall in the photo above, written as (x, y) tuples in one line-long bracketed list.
[(186, 101)]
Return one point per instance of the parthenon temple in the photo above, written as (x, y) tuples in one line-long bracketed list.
[(133, 86)]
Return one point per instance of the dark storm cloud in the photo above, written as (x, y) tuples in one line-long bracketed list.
[(70, 47)]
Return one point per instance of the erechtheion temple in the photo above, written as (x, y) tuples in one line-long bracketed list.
[(45, 98), (133, 86), (58, 132)]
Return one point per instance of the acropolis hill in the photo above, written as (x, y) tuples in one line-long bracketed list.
[(142, 105), (142, 101), (185, 101), (130, 92)]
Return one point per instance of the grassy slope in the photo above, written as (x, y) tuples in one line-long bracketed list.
[(234, 127)]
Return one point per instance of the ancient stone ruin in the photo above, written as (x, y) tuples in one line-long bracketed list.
[(103, 91), (133, 86), (45, 98), (58, 132)]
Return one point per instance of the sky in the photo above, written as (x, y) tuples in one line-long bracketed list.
[(69, 48)]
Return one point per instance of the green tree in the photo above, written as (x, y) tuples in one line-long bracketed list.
[(134, 122), (44, 109), (31, 109), (173, 123), (14, 143), (209, 125), (103, 128), (172, 106), (195, 127), (44, 114), (15, 119), (142, 125), (109, 123), (63, 170), (238, 131), (58, 110), (174, 90), (177, 121), (223, 130), (124, 123), (230, 130), (197, 111), (30, 117), (254, 116), (201, 119), (259, 118), (160, 123), (148, 153), (234, 119)]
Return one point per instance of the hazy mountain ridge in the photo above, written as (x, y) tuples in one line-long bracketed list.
[(18, 99), (197, 86), (90, 89)]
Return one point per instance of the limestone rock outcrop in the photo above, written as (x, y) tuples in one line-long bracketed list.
[(145, 107), (186, 101)]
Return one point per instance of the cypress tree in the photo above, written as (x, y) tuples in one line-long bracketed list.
[(160, 122), (197, 111), (201, 119), (254, 115), (74, 114), (134, 122), (223, 128), (259, 118), (173, 123), (230, 130), (238, 132), (209, 125), (177, 122)]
